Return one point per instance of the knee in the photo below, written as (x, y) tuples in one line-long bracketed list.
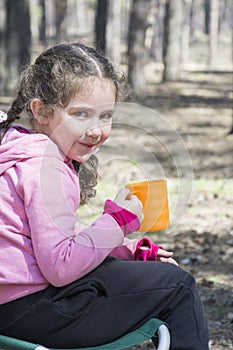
[(189, 279), (185, 277)]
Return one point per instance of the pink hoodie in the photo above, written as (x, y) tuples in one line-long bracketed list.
[(40, 242)]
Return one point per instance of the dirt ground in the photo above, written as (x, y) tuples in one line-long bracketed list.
[(196, 111)]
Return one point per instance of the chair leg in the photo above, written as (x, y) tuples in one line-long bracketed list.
[(162, 342)]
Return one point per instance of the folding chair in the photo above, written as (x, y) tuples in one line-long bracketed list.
[(151, 329)]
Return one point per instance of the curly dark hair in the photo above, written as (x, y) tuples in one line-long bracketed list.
[(54, 78)]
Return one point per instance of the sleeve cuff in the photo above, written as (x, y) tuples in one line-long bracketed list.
[(127, 220), (146, 250)]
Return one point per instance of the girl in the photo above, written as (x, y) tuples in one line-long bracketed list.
[(69, 285)]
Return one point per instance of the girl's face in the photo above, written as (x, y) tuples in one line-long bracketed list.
[(81, 127)]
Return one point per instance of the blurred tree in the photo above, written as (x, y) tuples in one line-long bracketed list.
[(125, 10), (17, 41), (113, 31), (196, 19), (207, 16), (157, 23), (136, 47), (225, 11), (81, 15), (213, 38), (60, 17), (100, 25), (42, 25), (185, 38), (172, 39)]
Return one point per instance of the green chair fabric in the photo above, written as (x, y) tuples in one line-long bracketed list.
[(145, 332)]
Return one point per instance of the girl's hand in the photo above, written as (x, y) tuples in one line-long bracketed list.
[(126, 200), (165, 256)]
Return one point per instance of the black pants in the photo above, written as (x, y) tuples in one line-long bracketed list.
[(112, 300)]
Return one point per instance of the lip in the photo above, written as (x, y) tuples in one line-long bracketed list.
[(89, 145)]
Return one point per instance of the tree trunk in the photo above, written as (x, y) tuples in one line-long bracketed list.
[(136, 48), (100, 25), (42, 25), (82, 20), (207, 16), (50, 20), (125, 20), (214, 17), (224, 11), (186, 32), (172, 40), (60, 16), (113, 47), (196, 19), (18, 40), (158, 31)]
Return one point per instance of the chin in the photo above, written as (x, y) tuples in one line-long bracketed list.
[(82, 158)]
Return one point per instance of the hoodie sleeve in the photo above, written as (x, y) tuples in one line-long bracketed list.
[(51, 197), (127, 250)]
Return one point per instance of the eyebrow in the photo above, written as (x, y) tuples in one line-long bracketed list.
[(89, 109)]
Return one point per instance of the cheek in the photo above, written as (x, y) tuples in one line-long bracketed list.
[(106, 131), (72, 131), (65, 135)]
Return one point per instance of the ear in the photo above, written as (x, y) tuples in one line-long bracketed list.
[(39, 111)]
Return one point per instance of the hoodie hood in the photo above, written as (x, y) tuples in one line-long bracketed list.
[(18, 145)]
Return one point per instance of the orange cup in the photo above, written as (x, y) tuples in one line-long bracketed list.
[(154, 197)]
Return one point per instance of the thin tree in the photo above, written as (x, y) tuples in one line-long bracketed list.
[(81, 19), (17, 40), (196, 19), (214, 18), (100, 25), (136, 48), (60, 16), (42, 24), (207, 16), (157, 11), (113, 31), (172, 39), (185, 39)]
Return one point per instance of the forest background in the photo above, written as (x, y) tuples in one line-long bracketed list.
[(176, 56)]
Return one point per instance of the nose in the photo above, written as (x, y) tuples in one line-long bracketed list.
[(94, 131)]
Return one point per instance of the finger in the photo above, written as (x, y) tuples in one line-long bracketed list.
[(164, 253), (168, 260), (141, 218), (126, 193), (123, 194), (140, 203), (136, 200), (172, 261)]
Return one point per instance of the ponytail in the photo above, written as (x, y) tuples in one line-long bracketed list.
[(13, 114), (17, 108)]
